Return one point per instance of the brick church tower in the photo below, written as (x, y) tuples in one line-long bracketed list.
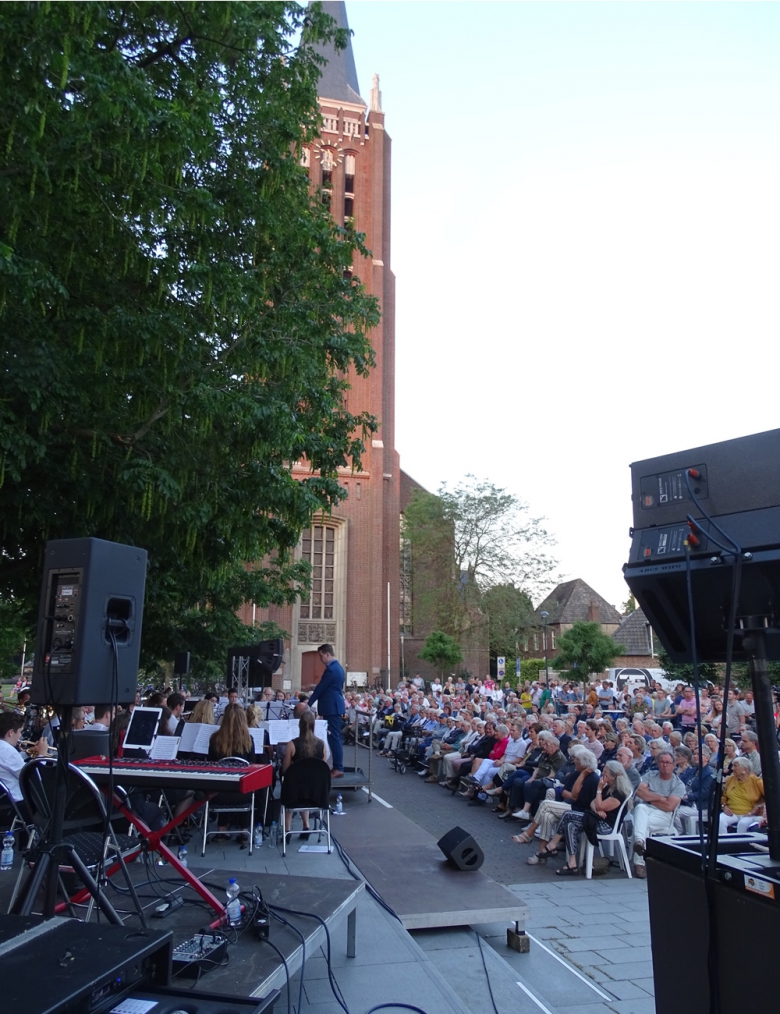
[(355, 552)]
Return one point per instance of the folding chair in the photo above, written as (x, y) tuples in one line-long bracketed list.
[(86, 828), (615, 837), (306, 787), (230, 805)]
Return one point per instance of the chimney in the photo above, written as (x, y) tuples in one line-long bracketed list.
[(593, 613)]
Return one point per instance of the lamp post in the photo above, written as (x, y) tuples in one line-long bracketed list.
[(544, 614)]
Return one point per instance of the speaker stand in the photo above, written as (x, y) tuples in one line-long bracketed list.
[(53, 853)]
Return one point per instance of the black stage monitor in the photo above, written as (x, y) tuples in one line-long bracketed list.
[(89, 743), (736, 484), (256, 662)]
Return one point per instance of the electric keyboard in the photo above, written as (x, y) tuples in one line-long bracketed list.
[(221, 776)]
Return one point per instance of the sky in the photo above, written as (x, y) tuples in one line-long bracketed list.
[(585, 227)]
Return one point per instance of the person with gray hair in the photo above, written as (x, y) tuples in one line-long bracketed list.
[(696, 801), (743, 798), (580, 795), (655, 746), (749, 746), (611, 790), (657, 798)]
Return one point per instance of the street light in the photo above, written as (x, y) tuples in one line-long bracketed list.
[(544, 614)]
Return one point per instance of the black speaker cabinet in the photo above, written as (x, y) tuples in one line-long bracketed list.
[(90, 587), (461, 849), (181, 663)]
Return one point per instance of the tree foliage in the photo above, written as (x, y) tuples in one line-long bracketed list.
[(441, 650), (586, 649), (178, 317), (510, 613), (473, 538)]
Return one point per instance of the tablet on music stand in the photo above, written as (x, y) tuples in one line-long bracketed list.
[(142, 729)]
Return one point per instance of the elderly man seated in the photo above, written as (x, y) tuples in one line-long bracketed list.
[(451, 744), (697, 793), (743, 797), (510, 759), (657, 798), (479, 742), (525, 797)]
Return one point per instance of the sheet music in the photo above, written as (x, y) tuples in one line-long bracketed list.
[(165, 748), (201, 744), (279, 731), (284, 731), (188, 736), (258, 738)]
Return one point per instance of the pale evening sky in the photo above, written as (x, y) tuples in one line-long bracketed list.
[(585, 236)]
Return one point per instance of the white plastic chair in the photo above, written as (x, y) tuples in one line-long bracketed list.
[(615, 836)]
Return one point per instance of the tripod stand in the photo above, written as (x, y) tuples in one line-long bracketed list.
[(52, 852)]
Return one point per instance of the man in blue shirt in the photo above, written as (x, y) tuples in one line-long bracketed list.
[(329, 696)]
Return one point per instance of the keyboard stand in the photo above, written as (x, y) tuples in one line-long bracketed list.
[(154, 843)]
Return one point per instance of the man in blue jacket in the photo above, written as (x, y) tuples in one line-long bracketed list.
[(329, 697)]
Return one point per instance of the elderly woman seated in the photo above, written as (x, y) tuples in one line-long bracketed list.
[(612, 790), (743, 797), (579, 791)]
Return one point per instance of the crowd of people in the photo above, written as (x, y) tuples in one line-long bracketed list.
[(565, 760), (28, 730)]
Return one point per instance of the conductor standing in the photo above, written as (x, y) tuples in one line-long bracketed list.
[(329, 697)]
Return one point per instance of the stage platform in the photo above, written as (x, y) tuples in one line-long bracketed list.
[(253, 964), (403, 863)]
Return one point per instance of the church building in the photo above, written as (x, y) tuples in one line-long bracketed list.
[(355, 551)]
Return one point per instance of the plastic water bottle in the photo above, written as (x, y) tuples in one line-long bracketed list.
[(7, 855), (233, 907), (182, 855), (339, 804), (274, 833), (258, 842)]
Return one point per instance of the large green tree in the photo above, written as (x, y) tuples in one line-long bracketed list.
[(178, 314), (509, 612), (586, 649), (473, 537)]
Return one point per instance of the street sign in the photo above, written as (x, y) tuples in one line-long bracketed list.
[(501, 667)]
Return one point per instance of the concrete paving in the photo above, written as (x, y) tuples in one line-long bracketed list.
[(589, 939)]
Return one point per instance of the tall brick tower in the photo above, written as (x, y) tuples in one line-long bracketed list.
[(355, 552)]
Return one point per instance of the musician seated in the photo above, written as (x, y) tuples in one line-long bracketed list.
[(11, 760), (176, 704), (203, 712), (232, 739), (305, 744)]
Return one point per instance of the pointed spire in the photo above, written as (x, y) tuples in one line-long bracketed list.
[(376, 95), (339, 79)]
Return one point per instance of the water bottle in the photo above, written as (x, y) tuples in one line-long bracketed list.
[(233, 907), (7, 855), (182, 855), (258, 842), (339, 804), (274, 833)]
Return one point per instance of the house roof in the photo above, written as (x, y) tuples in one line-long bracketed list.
[(570, 602), (633, 634), (339, 80)]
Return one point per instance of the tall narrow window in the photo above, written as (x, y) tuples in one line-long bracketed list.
[(306, 158), (317, 547), (349, 174)]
